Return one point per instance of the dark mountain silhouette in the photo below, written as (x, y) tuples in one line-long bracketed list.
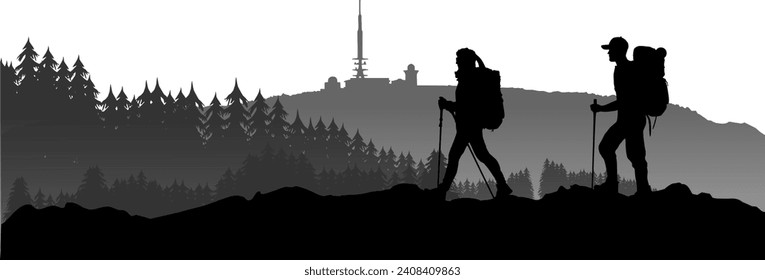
[(403, 222)]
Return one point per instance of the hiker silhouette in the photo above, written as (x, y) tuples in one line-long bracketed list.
[(630, 121), (471, 115)]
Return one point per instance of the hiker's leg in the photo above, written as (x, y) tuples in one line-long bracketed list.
[(635, 147), (482, 153), (455, 152), (608, 145)]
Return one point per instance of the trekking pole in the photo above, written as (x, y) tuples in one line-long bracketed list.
[(440, 130), (479, 170), (592, 174)]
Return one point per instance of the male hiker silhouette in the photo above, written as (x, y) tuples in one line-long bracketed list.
[(630, 121), (472, 114)]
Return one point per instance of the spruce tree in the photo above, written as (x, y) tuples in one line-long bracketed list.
[(319, 147), (48, 108), (258, 122), (214, 126), (134, 112), (109, 108), (150, 104), (236, 122), (62, 85), (305, 171), (370, 160), (39, 199), (409, 175), (18, 196), (10, 99), (93, 190), (83, 92), (193, 100), (27, 72), (358, 151), (296, 132), (49, 201), (61, 199), (432, 166), (121, 108), (421, 172), (278, 127), (194, 108)]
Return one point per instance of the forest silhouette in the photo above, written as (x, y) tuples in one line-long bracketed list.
[(319, 157)]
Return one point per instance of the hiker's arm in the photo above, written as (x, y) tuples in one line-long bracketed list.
[(610, 107), (446, 104)]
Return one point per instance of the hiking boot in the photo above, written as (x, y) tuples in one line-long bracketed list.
[(608, 187), (503, 190)]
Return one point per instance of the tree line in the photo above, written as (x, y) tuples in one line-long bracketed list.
[(264, 172), (554, 175), (271, 170)]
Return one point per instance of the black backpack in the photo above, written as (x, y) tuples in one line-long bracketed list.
[(649, 63), (491, 98)]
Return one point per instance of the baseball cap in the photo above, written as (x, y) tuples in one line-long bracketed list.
[(616, 43)]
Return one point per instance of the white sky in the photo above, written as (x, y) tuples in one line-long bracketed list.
[(714, 64)]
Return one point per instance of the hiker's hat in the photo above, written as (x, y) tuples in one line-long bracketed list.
[(616, 43)]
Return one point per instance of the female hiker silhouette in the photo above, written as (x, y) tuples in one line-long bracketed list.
[(473, 112)]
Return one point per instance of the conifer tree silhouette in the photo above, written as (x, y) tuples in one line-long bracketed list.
[(278, 125), (382, 160), (193, 100), (258, 122), (248, 175), (318, 147), (358, 151), (10, 98), (390, 164), (422, 172), (378, 179), (27, 72), (49, 201), (296, 131), (61, 199), (134, 112), (337, 146), (432, 165), (150, 104), (121, 109), (322, 183), (225, 186), (93, 191), (520, 183), (409, 175), (39, 199), (236, 122), (215, 125), (83, 93), (168, 110), (17, 197), (203, 194), (109, 108), (180, 100), (48, 109), (370, 160), (305, 171), (62, 85)]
